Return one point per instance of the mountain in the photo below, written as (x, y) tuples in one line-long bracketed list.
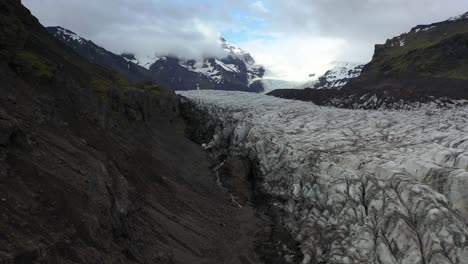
[(427, 64), (96, 169), (429, 60), (340, 74), (236, 71), (100, 56)]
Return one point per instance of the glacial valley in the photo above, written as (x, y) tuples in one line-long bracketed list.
[(352, 186)]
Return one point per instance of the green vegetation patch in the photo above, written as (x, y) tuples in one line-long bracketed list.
[(105, 80), (440, 52), (149, 87), (29, 63)]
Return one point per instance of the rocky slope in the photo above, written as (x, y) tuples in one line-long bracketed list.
[(236, 71), (426, 64), (95, 169), (351, 186), (100, 56)]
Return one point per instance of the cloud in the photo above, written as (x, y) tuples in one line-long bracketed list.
[(361, 23), (294, 58), (292, 38), (311, 34), (258, 7), (182, 27)]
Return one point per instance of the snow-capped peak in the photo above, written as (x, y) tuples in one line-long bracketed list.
[(68, 35), (130, 57), (235, 51), (230, 47), (339, 74), (342, 69), (145, 61)]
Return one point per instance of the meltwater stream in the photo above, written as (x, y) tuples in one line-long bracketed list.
[(353, 186)]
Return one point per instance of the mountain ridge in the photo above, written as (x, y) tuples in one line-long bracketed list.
[(236, 71), (427, 64)]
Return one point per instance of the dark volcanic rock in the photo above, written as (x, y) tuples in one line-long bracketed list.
[(95, 169), (172, 72), (236, 174)]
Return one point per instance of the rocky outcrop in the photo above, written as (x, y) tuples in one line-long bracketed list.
[(350, 186)]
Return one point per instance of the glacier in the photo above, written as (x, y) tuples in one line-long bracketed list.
[(353, 186)]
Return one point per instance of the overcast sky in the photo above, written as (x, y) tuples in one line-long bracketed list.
[(292, 38)]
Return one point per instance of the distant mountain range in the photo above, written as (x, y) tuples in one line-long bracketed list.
[(235, 71), (338, 75), (427, 64)]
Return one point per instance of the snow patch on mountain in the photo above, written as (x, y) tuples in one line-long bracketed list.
[(227, 67), (423, 28), (214, 68), (460, 17), (340, 73), (236, 51), (203, 67), (353, 186), (68, 35), (146, 61)]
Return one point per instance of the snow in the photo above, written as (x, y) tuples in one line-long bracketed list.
[(340, 73), (402, 42), (227, 67), (230, 48), (205, 68), (135, 61), (145, 61), (423, 28), (460, 17), (213, 72), (428, 28), (356, 186), (68, 35)]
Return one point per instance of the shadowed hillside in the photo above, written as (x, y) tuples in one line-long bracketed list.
[(95, 168)]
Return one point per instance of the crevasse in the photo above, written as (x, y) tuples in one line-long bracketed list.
[(354, 186)]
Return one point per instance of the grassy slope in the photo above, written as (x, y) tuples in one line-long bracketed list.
[(437, 50)]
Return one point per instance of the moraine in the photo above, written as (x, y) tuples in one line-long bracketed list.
[(352, 186)]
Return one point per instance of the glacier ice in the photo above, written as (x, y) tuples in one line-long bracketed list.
[(356, 186)]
